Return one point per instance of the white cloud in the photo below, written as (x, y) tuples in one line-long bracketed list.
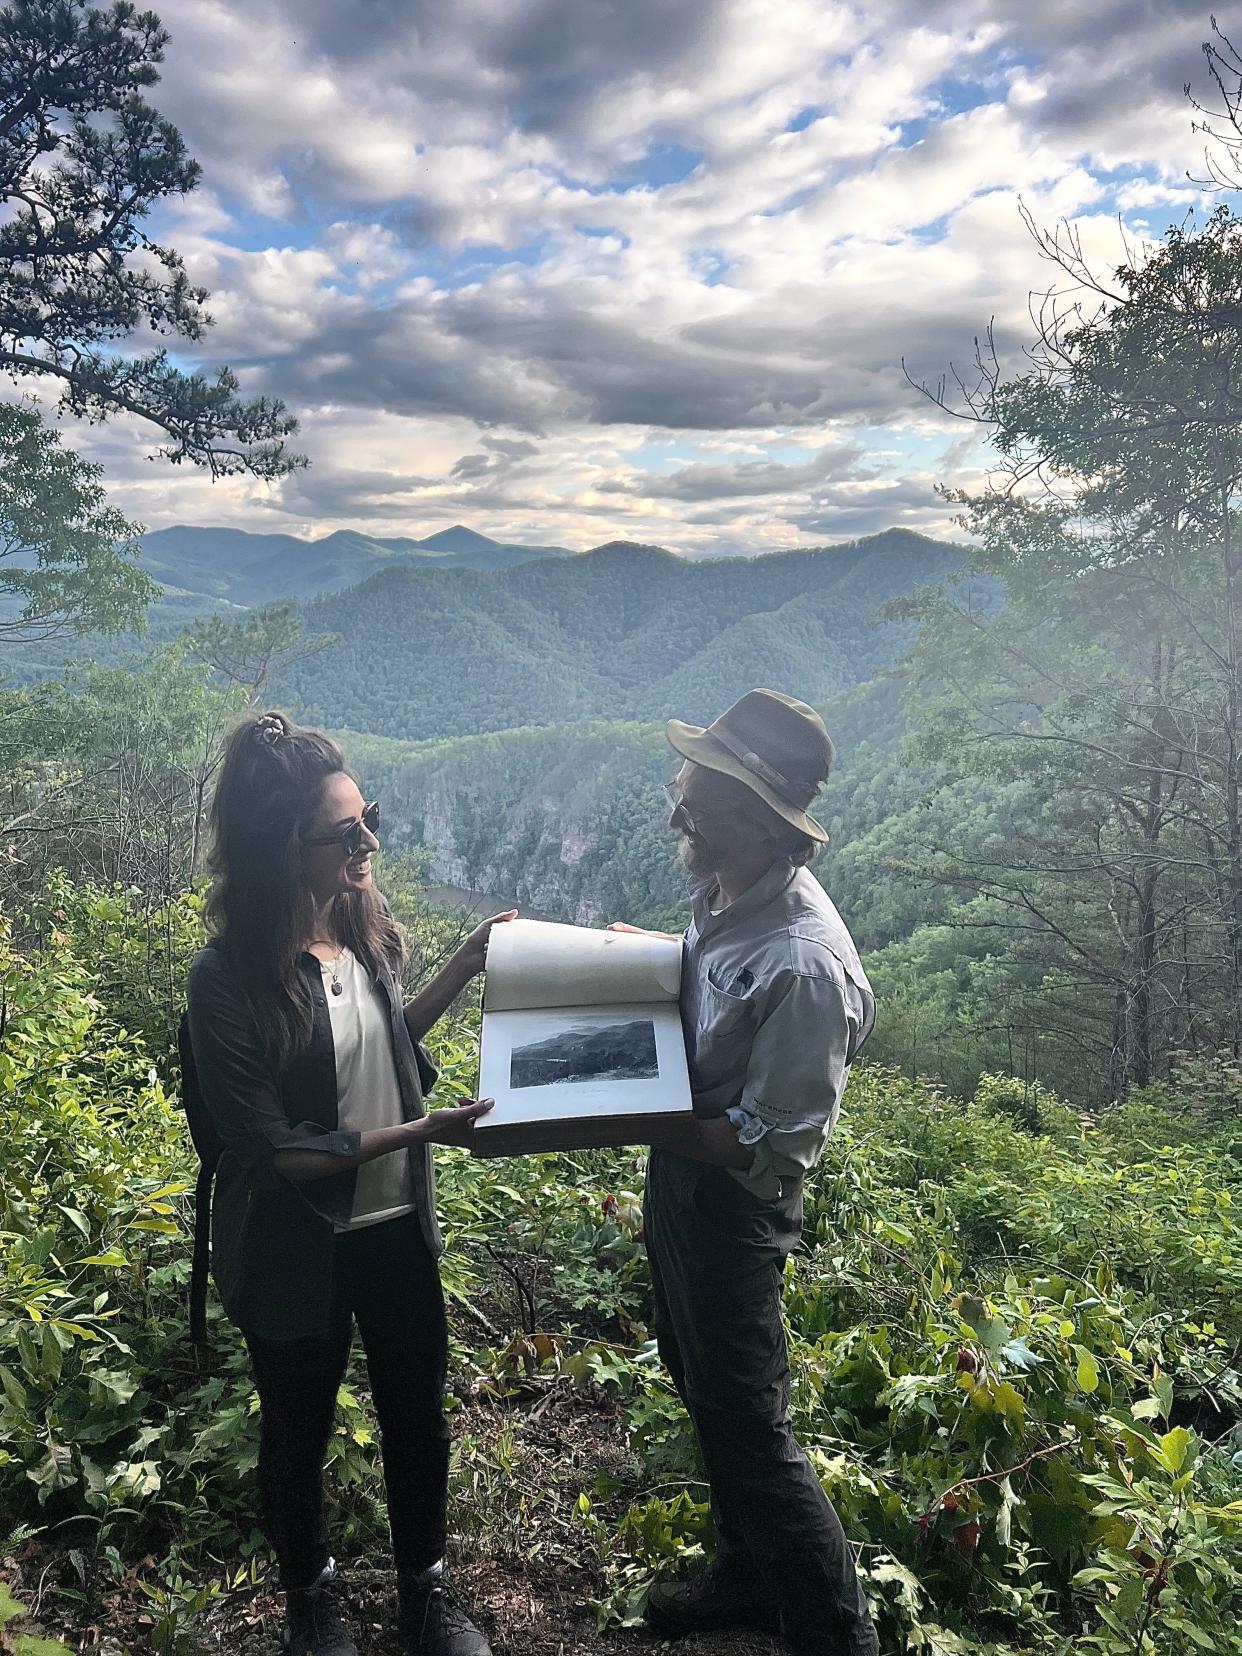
[(498, 253)]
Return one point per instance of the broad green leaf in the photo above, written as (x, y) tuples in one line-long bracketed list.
[(1087, 1373), (53, 1356), (31, 1363), (112, 1385), (142, 1479), (1008, 1402), (995, 1335), (13, 1389), (1174, 1446), (1130, 1599), (55, 1470), (1162, 1385), (1020, 1354), (79, 1331), (1197, 1636)]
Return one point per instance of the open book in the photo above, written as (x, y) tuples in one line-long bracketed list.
[(582, 1041)]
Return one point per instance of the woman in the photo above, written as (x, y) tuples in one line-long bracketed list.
[(324, 1209)]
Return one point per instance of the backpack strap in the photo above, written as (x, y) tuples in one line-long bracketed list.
[(201, 1261), (208, 1154)]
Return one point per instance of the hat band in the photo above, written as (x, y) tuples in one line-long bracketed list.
[(797, 794)]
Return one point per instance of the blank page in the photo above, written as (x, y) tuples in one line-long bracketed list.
[(534, 963)]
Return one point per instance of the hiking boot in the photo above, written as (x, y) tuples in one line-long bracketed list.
[(721, 1595), (433, 1623), (807, 1637), (314, 1624)]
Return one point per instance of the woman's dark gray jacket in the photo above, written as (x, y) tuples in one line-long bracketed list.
[(272, 1240)]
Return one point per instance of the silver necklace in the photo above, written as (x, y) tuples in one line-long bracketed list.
[(336, 986)]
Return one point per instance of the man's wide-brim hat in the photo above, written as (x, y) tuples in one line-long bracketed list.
[(775, 746)]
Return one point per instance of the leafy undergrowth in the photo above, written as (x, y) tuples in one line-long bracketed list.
[(1013, 1333), (18, 1637)]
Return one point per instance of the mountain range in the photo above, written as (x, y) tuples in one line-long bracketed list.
[(622, 632), (234, 567)]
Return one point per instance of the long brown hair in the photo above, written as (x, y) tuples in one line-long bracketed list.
[(261, 906)]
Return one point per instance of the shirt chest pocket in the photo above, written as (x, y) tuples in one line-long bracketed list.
[(723, 1035)]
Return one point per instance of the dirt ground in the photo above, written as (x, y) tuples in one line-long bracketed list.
[(527, 1614), (524, 1613), (526, 1576)]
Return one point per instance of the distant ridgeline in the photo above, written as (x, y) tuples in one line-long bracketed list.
[(233, 568), (228, 571), (623, 632), (459, 634)]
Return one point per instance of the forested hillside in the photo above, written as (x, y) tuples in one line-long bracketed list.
[(570, 818), (622, 632)]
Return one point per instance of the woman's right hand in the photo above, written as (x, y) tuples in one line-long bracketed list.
[(451, 1125)]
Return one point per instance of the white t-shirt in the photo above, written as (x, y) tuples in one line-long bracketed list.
[(367, 1091)]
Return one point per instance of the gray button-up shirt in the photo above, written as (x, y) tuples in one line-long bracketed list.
[(775, 1005)]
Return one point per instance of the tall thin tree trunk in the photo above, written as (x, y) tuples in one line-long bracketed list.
[(200, 788), (1139, 1042), (1233, 815), (1117, 1060)]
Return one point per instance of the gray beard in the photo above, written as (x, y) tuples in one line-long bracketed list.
[(696, 859)]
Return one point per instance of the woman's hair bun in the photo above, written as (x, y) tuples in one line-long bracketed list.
[(268, 729)]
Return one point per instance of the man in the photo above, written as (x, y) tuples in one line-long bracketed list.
[(775, 1006)]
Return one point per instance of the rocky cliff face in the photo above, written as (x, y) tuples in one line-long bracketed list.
[(530, 854)]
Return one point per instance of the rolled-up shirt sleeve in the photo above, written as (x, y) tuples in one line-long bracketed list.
[(237, 1083), (799, 1061)]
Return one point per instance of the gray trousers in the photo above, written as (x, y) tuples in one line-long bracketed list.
[(717, 1257)]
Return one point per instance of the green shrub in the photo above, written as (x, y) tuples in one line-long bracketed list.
[(1013, 1336)]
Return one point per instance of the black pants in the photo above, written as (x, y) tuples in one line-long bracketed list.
[(717, 1256), (386, 1279)]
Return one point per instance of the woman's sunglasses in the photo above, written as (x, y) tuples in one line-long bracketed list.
[(350, 839)]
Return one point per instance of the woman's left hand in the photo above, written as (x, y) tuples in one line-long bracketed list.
[(472, 956)]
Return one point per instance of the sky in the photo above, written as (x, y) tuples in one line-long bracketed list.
[(570, 271)]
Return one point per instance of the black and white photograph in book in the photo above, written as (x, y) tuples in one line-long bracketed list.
[(603, 1050)]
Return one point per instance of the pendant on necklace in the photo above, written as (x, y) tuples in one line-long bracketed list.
[(337, 988)]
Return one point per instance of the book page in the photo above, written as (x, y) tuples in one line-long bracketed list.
[(534, 963), (623, 1060)]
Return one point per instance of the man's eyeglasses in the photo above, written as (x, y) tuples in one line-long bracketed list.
[(350, 839), (678, 809)]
